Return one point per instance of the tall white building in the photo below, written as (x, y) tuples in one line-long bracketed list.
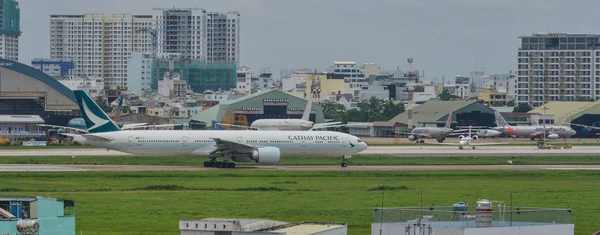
[(10, 29), (139, 72), (93, 86), (198, 34), (100, 45), (354, 79), (558, 67), (244, 80)]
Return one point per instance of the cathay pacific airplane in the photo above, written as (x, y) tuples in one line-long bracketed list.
[(263, 147)]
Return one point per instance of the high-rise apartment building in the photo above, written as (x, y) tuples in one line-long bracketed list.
[(199, 35), (100, 45), (10, 29), (558, 67)]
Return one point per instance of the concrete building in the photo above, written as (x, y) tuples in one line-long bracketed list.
[(57, 68), (344, 99), (45, 216), (259, 227), (558, 67), (371, 69), (173, 87), (93, 86), (139, 72), (295, 84), (491, 97), (100, 45), (485, 217), (461, 90), (244, 80), (10, 29), (354, 77), (18, 127), (263, 82), (199, 35)]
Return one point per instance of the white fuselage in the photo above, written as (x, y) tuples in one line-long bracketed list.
[(282, 124), (200, 143)]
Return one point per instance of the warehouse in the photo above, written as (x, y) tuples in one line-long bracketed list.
[(234, 226)]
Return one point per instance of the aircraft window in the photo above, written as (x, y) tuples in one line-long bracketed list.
[(358, 141)]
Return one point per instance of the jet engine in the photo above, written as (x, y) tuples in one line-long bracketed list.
[(460, 137), (411, 138), (553, 136), (266, 155), (475, 137)]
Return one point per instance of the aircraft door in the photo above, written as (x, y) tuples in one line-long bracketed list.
[(184, 141), (240, 139), (303, 144), (130, 140), (344, 142)]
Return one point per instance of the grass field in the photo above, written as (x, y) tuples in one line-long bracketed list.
[(154, 202), (356, 160)]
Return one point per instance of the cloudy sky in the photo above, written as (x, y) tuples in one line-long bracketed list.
[(445, 37)]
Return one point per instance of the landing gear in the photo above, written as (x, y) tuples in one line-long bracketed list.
[(218, 164), (460, 147), (473, 147), (345, 160)]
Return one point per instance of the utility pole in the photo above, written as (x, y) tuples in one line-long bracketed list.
[(410, 94), (171, 65)]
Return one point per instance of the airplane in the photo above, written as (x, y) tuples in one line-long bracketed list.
[(533, 132), (263, 147), (291, 124), (483, 133), (440, 133), (467, 141)]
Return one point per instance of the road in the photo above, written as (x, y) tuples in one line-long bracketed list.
[(74, 168), (399, 151)]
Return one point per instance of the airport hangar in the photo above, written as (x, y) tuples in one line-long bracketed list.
[(270, 104), (568, 113), (28, 94), (434, 113)]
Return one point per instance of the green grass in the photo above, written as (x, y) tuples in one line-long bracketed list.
[(153, 202), (356, 160)]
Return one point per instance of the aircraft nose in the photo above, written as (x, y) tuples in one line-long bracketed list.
[(363, 146)]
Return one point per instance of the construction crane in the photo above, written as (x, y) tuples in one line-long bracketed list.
[(154, 33)]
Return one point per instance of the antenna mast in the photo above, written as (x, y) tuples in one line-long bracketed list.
[(410, 94)]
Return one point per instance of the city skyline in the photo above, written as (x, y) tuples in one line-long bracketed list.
[(446, 38)]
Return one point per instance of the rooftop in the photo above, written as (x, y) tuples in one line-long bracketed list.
[(305, 228), (21, 119)]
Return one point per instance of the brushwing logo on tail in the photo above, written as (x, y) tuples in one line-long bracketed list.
[(97, 121)]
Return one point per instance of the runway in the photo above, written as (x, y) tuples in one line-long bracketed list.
[(75, 168), (398, 151)]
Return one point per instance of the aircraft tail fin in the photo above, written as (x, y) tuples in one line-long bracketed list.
[(216, 126), (306, 114), (96, 120), (449, 121), (500, 122)]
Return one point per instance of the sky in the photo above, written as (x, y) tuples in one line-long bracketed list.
[(445, 37)]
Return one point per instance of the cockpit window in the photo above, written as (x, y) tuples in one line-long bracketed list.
[(358, 141)]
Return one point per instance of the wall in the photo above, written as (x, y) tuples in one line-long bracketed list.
[(562, 229), (336, 231)]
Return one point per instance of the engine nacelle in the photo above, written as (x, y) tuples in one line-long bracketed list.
[(266, 155), (411, 138), (553, 136), (475, 137), (460, 137)]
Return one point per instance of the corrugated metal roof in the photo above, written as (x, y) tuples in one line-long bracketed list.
[(565, 111), (21, 119), (434, 111)]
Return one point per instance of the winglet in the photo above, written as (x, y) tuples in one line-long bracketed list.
[(96, 120), (449, 121), (306, 114)]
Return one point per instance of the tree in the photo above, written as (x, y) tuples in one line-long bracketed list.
[(522, 108), (103, 105), (391, 109), (510, 103), (445, 95), (333, 110)]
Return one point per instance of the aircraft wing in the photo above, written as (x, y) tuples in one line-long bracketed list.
[(63, 127), (131, 125), (89, 137), (226, 146), (451, 144), (239, 126), (487, 144), (145, 126)]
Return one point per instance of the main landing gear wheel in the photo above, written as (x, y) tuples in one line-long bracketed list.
[(344, 164), (218, 164), (473, 147)]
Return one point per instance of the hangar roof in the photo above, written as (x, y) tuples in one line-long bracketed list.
[(566, 111), (251, 101), (38, 75), (436, 111), (21, 119)]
